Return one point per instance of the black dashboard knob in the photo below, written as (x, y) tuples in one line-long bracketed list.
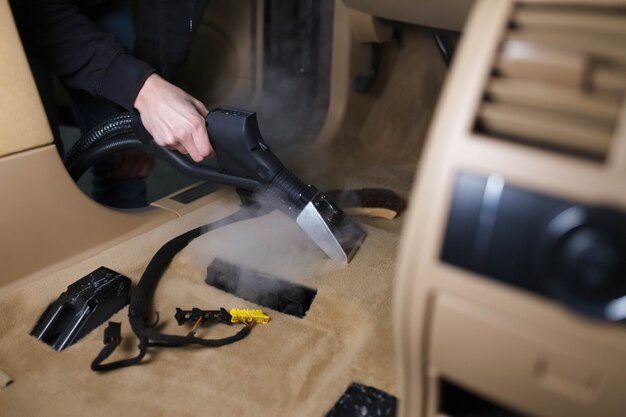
[(590, 265), (584, 260)]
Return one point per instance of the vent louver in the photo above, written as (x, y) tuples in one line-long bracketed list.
[(559, 79)]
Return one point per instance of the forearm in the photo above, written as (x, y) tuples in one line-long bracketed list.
[(78, 52)]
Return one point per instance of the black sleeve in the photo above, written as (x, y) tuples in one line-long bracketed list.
[(165, 30), (78, 52)]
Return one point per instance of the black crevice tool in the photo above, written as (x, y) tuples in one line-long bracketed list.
[(85, 305), (260, 288)]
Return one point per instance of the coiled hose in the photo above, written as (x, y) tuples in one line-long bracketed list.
[(98, 150), (125, 124), (125, 131)]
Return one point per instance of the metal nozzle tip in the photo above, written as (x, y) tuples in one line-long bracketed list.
[(335, 233)]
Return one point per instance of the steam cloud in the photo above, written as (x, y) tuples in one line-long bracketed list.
[(273, 244)]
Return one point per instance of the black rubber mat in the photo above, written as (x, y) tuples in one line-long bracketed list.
[(363, 401)]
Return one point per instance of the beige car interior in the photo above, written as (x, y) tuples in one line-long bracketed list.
[(551, 75), (534, 100)]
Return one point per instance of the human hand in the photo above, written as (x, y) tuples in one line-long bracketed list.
[(173, 118)]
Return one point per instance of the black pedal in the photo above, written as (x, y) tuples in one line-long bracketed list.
[(85, 305)]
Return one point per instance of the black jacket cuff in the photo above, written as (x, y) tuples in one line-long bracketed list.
[(123, 80)]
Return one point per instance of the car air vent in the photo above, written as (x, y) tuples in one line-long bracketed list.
[(559, 79)]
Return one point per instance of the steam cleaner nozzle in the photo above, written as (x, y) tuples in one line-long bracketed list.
[(241, 151)]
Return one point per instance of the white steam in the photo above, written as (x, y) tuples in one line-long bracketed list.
[(272, 244)]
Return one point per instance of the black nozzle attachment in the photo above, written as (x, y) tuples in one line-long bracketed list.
[(85, 305)]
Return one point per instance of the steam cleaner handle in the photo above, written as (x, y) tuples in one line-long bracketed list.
[(239, 147), (241, 152)]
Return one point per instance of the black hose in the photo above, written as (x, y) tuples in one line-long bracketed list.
[(120, 125), (125, 131), (90, 156)]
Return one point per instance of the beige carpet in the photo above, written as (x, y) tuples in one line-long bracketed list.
[(289, 367)]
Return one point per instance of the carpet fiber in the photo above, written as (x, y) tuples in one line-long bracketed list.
[(289, 367)]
